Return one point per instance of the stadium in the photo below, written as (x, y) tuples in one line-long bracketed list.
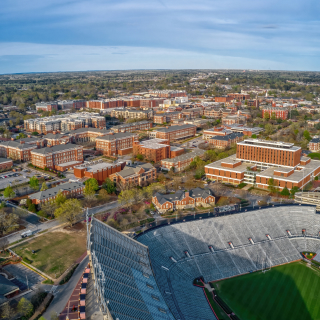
[(251, 261)]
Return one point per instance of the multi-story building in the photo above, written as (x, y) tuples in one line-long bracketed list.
[(135, 175), (239, 96), (223, 99), (69, 189), (60, 157), (116, 143), (218, 131), (156, 149), (5, 163), (181, 162), (183, 199), (20, 149), (226, 141), (47, 106), (67, 122), (167, 117), (98, 170), (168, 93), (133, 126), (55, 138), (314, 145), (192, 113), (257, 161), (132, 113), (245, 130), (234, 119), (174, 132), (277, 112), (269, 152)]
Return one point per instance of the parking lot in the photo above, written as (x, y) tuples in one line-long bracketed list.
[(24, 274)]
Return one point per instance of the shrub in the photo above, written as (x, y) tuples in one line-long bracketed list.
[(25, 259)]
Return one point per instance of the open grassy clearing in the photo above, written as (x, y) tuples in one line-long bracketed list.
[(55, 252), (286, 292)]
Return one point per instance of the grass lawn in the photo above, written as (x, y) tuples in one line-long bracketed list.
[(54, 251), (286, 292)]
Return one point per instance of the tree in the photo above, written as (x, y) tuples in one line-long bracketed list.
[(89, 191), (60, 198), (21, 135), (268, 129), (44, 186), (285, 192), (126, 198), (49, 208), (4, 242), (35, 133), (25, 307), (34, 183), (271, 185), (93, 182), (294, 190), (139, 157), (306, 134), (273, 116), (110, 186), (70, 211), (161, 177), (266, 116), (7, 311), (104, 195), (8, 192), (254, 136)]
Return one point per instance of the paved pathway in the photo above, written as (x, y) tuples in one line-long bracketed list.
[(64, 292)]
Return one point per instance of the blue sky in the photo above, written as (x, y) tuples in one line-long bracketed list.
[(68, 35)]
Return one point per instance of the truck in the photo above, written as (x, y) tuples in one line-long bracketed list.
[(26, 234)]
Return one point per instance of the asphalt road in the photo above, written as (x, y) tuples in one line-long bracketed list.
[(104, 208), (63, 293), (36, 228)]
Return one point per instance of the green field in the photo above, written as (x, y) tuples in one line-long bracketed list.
[(288, 292)]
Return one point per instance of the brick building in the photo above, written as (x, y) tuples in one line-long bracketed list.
[(132, 113), (69, 189), (183, 199), (135, 175), (258, 161), (222, 142), (54, 139), (167, 117), (20, 149), (314, 145), (245, 130), (239, 96), (47, 106), (218, 131), (98, 170), (174, 132), (223, 99), (278, 113), (116, 143), (156, 149), (181, 162), (234, 119), (5, 163), (60, 157), (131, 127)]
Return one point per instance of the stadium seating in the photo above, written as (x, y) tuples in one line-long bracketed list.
[(163, 262)]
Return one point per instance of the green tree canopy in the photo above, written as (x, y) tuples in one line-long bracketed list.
[(109, 185), (8, 192), (93, 182), (70, 211), (60, 198), (44, 186), (34, 183)]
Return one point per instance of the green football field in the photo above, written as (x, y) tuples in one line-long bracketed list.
[(288, 292)]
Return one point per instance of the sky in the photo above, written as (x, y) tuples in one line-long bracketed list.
[(80, 35)]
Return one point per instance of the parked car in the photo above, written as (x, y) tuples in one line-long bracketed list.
[(26, 234)]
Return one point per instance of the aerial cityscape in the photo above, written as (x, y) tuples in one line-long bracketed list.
[(159, 161)]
